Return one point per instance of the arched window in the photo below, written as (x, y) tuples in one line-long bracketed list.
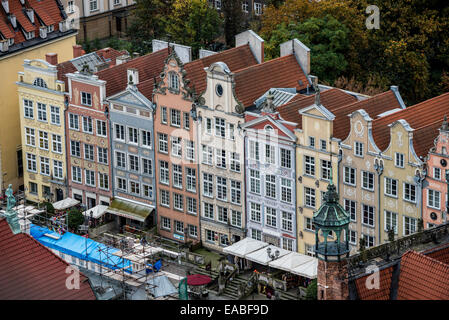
[(40, 83), (174, 81)]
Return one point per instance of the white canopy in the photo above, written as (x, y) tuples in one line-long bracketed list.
[(28, 210), (245, 246), (97, 211), (297, 263), (65, 204), (261, 256)]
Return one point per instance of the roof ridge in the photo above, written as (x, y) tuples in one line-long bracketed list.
[(240, 71), (216, 53)]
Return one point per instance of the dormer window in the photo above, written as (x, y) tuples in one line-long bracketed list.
[(50, 28), (40, 83), (10, 41), (174, 81), (29, 35), (86, 99), (70, 7)]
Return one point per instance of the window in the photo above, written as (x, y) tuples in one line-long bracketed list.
[(270, 215), (207, 155), (147, 191), (369, 241), (164, 116), (89, 152), (235, 192), (391, 221), (255, 212), (55, 116), (179, 226), (391, 187), (191, 206), (75, 148), (222, 191), (30, 137), (178, 202), (437, 173), (86, 98), (103, 155), (208, 126), (349, 176), (287, 244), (254, 181), (323, 145), (220, 158), (165, 198), (31, 162), (133, 163), (93, 5), (286, 158), (256, 234), (101, 128), (287, 221), (176, 147), (368, 180), (309, 224), (163, 142), (134, 188), (399, 160), (103, 181), (220, 127), (120, 159), (368, 215), (270, 154), (133, 135), (74, 121), (235, 162), (43, 140), (433, 199), (254, 150), (218, 4), (28, 110), (175, 118), (191, 179), (286, 190), (147, 167), (193, 231), (45, 166), (222, 214), (70, 7), (351, 208), (310, 197), (309, 168), (90, 177), (312, 142), (207, 185), (353, 237), (210, 235), (325, 170), (88, 125), (121, 184), (231, 132), (236, 218), (33, 188), (257, 8), (56, 143), (358, 149), (409, 192), (190, 150), (120, 132), (50, 28), (174, 82), (410, 225), (39, 82), (165, 223), (76, 174), (186, 121), (245, 6), (208, 210), (270, 186), (177, 176), (41, 112)]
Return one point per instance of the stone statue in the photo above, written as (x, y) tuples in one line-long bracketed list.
[(11, 201), (11, 215)]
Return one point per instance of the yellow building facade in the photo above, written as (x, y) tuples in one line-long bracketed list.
[(10, 127), (41, 112)]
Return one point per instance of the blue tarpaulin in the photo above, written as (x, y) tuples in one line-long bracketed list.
[(80, 247)]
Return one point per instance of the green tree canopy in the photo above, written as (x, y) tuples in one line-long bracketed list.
[(312, 291), (75, 219)]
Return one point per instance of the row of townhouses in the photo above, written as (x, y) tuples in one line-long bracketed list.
[(229, 145)]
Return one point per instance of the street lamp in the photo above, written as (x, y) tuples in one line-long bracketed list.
[(272, 256)]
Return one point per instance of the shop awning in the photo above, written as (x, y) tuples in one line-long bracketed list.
[(245, 246), (296, 263), (65, 204), (261, 256), (129, 210), (97, 211)]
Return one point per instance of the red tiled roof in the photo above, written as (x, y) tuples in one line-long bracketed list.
[(424, 137), (30, 271), (5, 30), (146, 88), (441, 253), (252, 82), (236, 58), (383, 293), (422, 278), (417, 116), (331, 99), (149, 66)]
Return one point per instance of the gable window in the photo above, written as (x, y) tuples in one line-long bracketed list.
[(399, 160), (391, 187), (28, 110), (86, 99), (409, 192), (51, 28), (41, 112), (39, 82), (309, 168), (175, 118), (437, 173), (173, 81), (358, 149), (349, 176), (368, 180)]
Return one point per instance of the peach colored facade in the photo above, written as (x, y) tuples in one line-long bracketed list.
[(435, 186), (176, 173)]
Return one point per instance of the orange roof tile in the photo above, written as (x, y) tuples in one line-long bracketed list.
[(422, 278), (5, 30), (252, 82), (440, 253), (424, 137), (417, 116), (383, 293)]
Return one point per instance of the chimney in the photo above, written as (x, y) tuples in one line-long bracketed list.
[(105, 53), (122, 59), (5, 4), (136, 54), (77, 51), (255, 42), (133, 77), (30, 13), (13, 20), (52, 58), (300, 50), (4, 46), (395, 90)]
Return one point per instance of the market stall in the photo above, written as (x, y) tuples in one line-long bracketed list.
[(196, 285)]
